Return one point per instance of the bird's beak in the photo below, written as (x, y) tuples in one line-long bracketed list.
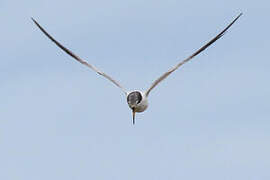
[(133, 115)]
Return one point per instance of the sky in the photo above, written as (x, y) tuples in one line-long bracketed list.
[(210, 119)]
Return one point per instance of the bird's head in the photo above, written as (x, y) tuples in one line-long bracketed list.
[(133, 99)]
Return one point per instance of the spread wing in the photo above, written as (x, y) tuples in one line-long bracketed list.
[(156, 82), (78, 58)]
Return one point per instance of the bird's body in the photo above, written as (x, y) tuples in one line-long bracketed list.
[(137, 100)]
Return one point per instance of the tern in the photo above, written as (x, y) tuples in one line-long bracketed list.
[(137, 100)]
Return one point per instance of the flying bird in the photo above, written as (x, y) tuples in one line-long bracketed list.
[(137, 100)]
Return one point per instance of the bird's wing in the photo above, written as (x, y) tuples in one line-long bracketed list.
[(78, 58), (156, 82)]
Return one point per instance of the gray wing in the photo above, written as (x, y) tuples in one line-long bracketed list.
[(78, 58), (156, 82)]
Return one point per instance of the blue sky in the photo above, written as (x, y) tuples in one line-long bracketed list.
[(208, 120)]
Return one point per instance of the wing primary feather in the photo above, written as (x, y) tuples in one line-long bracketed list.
[(69, 52), (166, 74)]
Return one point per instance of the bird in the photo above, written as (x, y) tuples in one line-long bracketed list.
[(137, 100)]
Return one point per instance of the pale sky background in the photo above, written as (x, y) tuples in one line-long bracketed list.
[(209, 120)]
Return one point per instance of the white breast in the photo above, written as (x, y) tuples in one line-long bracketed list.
[(142, 106)]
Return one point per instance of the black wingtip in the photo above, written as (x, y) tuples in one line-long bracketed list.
[(239, 15), (33, 19)]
